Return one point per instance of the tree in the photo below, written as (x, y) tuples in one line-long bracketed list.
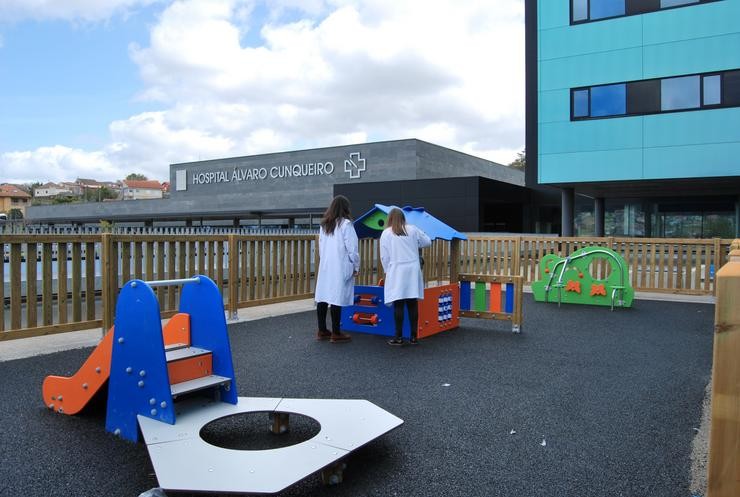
[(107, 193), (15, 214), (520, 163), (99, 194), (31, 187), (136, 177)]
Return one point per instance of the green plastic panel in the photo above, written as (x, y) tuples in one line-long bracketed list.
[(480, 296), (378, 220), (572, 280)]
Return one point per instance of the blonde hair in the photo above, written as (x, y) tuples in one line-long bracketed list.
[(397, 222)]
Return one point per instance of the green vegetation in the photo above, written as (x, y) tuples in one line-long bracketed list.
[(520, 162)]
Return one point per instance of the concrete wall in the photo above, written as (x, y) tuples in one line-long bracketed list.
[(686, 40), (231, 191)]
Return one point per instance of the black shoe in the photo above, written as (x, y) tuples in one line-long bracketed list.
[(413, 341), (340, 337), (395, 341)]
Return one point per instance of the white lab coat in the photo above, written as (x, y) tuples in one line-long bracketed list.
[(400, 258), (339, 259)]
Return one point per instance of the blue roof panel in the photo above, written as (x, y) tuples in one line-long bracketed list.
[(433, 227)]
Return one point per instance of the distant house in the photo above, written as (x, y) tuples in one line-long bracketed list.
[(112, 185), (74, 188), (141, 189), (13, 197), (51, 190), (89, 184)]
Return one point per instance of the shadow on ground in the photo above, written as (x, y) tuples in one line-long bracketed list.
[(601, 403)]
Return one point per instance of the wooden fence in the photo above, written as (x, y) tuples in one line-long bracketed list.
[(682, 266), (723, 475), (72, 282)]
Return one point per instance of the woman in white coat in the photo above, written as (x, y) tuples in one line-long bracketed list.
[(338, 266), (404, 285)]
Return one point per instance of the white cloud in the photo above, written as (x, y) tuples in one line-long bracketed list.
[(450, 72), (70, 10), (58, 163)]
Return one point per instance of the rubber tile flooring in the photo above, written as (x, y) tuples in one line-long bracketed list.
[(585, 402)]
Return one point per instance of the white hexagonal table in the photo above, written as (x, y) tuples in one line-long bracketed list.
[(184, 461)]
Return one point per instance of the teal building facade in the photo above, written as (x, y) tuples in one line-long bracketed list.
[(633, 112)]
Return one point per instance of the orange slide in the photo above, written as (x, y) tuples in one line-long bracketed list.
[(69, 395)]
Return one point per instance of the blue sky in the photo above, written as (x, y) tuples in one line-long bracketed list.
[(102, 88), (64, 83)]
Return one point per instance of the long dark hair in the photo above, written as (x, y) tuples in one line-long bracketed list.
[(397, 222), (338, 209)]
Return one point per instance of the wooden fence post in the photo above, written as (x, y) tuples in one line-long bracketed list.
[(106, 282), (717, 262), (517, 256), (724, 445), (233, 258), (454, 261)]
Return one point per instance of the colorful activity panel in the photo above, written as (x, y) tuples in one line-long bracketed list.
[(591, 275)]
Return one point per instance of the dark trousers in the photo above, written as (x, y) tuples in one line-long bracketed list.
[(413, 306), (336, 314)]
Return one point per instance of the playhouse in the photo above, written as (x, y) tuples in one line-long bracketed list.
[(466, 295)]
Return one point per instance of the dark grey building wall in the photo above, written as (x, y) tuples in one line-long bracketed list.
[(467, 204), (452, 200), (381, 161), (232, 188)]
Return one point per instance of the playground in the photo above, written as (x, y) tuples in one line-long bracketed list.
[(585, 401)]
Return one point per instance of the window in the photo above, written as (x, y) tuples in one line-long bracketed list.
[(580, 103), (679, 93), (580, 10), (601, 9), (711, 94), (731, 89), (595, 10), (643, 97), (608, 100), (652, 96), (675, 3)]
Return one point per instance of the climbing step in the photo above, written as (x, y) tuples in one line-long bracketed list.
[(199, 384), (175, 346), (185, 353), (188, 363)]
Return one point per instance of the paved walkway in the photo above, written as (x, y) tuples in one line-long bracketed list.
[(27, 347)]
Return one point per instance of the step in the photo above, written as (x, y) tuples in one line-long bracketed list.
[(198, 384), (188, 363), (184, 353), (175, 346)]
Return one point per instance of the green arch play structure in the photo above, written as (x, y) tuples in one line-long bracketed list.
[(570, 279)]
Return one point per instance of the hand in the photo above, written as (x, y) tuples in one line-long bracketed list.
[(355, 274)]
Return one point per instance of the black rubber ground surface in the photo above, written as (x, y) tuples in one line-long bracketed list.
[(615, 396)]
